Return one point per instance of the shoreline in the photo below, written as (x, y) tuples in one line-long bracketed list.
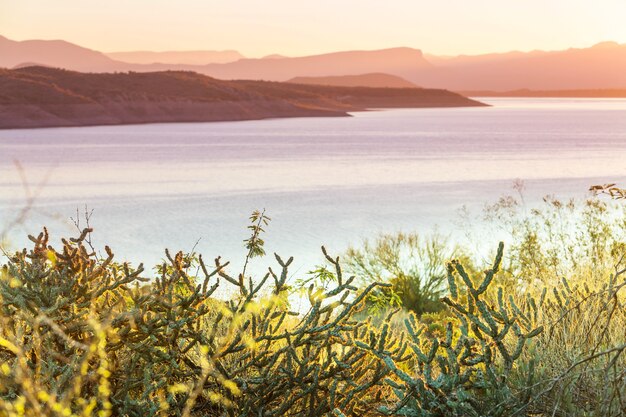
[(313, 114), (617, 93)]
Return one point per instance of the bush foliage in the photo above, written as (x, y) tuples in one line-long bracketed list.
[(81, 335)]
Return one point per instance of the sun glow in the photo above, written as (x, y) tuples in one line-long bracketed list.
[(258, 28)]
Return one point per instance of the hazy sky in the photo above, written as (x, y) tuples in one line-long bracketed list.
[(297, 27)]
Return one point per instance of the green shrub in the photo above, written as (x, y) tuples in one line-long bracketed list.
[(414, 266)]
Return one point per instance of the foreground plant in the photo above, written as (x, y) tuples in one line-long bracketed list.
[(81, 335)]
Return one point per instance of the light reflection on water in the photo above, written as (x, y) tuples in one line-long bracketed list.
[(322, 180)]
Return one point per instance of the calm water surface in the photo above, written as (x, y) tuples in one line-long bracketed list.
[(326, 181)]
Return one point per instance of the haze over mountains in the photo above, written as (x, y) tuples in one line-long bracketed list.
[(602, 66), (55, 53), (176, 57), (375, 79)]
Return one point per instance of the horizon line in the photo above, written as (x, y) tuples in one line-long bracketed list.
[(434, 54)]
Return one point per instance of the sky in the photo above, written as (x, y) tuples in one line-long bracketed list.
[(296, 27)]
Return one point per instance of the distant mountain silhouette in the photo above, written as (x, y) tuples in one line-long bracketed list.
[(398, 61), (602, 66), (54, 54), (45, 97), (599, 67), (376, 79), (176, 57)]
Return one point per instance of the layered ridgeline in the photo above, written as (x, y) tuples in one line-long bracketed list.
[(48, 97), (600, 67)]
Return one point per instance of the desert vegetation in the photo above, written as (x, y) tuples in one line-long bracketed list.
[(401, 325)]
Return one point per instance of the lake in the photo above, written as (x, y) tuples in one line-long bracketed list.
[(331, 181)]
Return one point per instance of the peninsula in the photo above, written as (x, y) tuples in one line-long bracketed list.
[(48, 97)]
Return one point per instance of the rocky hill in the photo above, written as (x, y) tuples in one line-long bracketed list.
[(45, 97)]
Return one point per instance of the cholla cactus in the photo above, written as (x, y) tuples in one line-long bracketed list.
[(451, 375), (311, 368), (80, 335)]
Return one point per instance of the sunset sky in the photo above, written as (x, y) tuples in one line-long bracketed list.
[(296, 27)]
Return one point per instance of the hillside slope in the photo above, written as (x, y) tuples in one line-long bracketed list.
[(46, 97)]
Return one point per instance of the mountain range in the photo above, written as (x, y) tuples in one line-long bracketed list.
[(602, 66)]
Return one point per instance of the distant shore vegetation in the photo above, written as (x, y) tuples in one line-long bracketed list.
[(399, 325)]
